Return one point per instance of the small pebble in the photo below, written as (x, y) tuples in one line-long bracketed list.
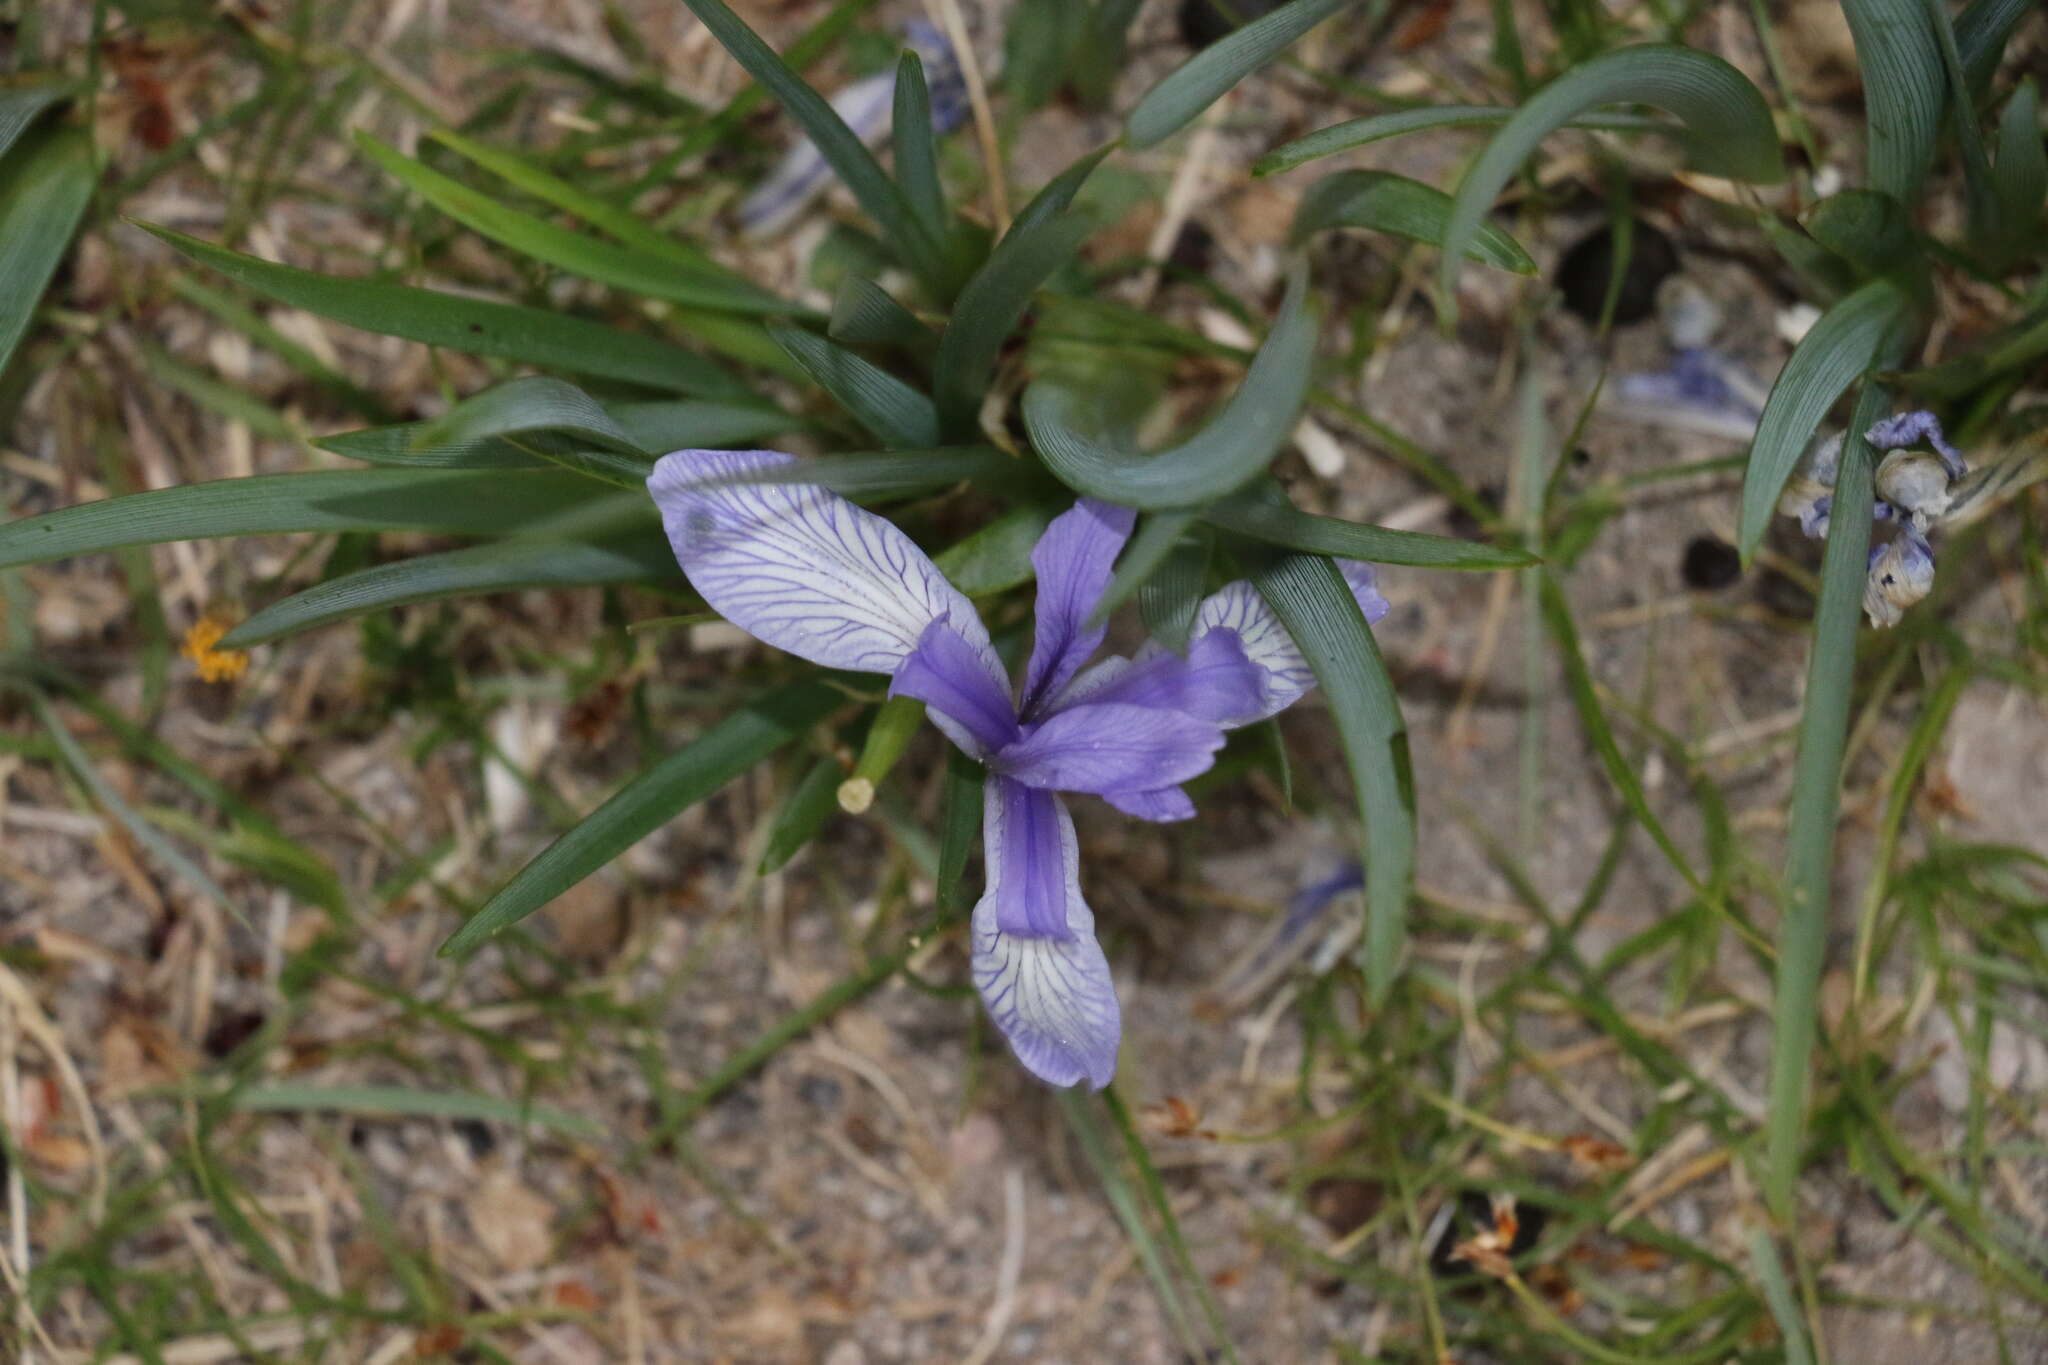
[(1710, 563)]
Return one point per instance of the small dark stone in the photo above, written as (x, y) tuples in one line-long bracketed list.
[(1192, 249), (482, 1142), (1202, 22), (1583, 270), (1581, 456), (1710, 563)]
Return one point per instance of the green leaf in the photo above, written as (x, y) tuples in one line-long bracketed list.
[(1383, 202), (392, 1101), (842, 149), (453, 502), (988, 310), (22, 105), (531, 336), (2019, 180), (1169, 599), (1981, 33), (864, 314), (1867, 228), (536, 403), (895, 474), (1056, 196), (650, 800), (1316, 606), (917, 157), (2022, 343), (1205, 77), (1157, 536), (622, 267), (501, 566), (1903, 86), (1281, 523), (659, 427), (1816, 799), (959, 827), (45, 186), (1358, 132), (998, 556), (803, 814), (1730, 126), (896, 414), (1234, 448), (399, 444), (1778, 1297), (1856, 335)]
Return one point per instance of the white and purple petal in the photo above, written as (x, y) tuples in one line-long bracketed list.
[(1103, 747), (801, 568), (1238, 607), (961, 694), (1214, 681), (1051, 997), (1073, 560)]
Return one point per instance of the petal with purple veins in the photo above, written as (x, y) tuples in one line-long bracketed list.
[(1051, 998), (1238, 607), (1111, 746), (1074, 560), (961, 695), (801, 568)]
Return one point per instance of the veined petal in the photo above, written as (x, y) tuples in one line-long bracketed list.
[(961, 695), (1216, 681), (802, 568), (1238, 607), (1111, 747), (1073, 560), (1052, 997), (1028, 839), (1161, 805)]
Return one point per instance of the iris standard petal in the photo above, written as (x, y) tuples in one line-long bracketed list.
[(1111, 746), (1073, 560), (1238, 607), (802, 568), (1052, 998), (961, 695), (1161, 805), (1215, 681)]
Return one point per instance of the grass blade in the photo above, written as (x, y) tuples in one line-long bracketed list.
[(1158, 534), (397, 1101), (1358, 132), (894, 413), (802, 815), (1902, 91), (1730, 125), (45, 186), (1858, 333), (900, 473), (674, 784), (531, 336), (534, 404), (1816, 797), (1278, 522), (1380, 201), (998, 556), (864, 314), (503, 566), (959, 828), (453, 502), (917, 156), (1234, 448), (22, 105), (1310, 597), (988, 310), (1205, 77)]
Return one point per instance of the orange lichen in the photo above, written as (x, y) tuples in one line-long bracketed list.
[(214, 665)]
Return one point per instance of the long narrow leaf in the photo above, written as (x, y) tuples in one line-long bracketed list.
[(455, 502), (864, 314), (531, 336), (917, 157), (1205, 77), (24, 104), (898, 473), (502, 566), (1380, 201), (44, 188), (1901, 64), (1311, 599), (988, 310), (1281, 523), (897, 415), (1358, 132), (649, 801), (1234, 448), (1852, 337), (1731, 127), (392, 1101)]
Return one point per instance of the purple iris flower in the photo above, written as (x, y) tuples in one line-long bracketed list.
[(803, 569)]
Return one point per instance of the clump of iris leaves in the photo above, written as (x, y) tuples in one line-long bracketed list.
[(548, 474)]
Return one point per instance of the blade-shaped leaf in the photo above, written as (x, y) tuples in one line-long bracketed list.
[(917, 157), (1732, 132), (1981, 33), (988, 310), (661, 427), (1868, 229), (1903, 88), (1157, 536), (1204, 78), (895, 413), (622, 267), (1234, 448), (1279, 522), (998, 556), (1056, 196), (531, 336), (2020, 178), (22, 105), (864, 314), (803, 813), (44, 188), (1169, 599), (534, 404), (1312, 600), (501, 566), (1383, 202), (1856, 335), (400, 445), (656, 796), (1342, 137), (841, 147), (292, 1097), (454, 502)]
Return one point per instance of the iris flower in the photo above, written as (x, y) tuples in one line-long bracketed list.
[(804, 570)]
